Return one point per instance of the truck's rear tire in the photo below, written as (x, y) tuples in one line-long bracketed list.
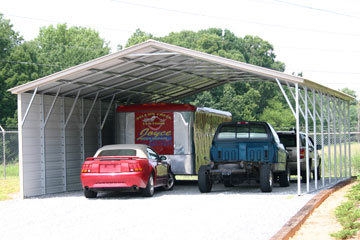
[(284, 178), (266, 178), (204, 181)]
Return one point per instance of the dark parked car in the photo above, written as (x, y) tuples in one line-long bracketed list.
[(129, 167), (288, 138), (244, 151)]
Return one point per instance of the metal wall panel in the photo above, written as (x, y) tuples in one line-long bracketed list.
[(46, 168), (33, 179)]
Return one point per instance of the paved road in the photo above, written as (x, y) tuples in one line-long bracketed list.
[(183, 213)]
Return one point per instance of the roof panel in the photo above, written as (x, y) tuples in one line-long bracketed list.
[(155, 71)]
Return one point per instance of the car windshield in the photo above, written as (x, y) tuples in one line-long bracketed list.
[(117, 152), (251, 131)]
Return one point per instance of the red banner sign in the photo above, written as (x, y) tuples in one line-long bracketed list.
[(155, 129)]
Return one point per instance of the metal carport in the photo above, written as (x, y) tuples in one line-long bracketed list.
[(64, 117)]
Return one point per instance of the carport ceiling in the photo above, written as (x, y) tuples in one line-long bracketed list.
[(156, 72)]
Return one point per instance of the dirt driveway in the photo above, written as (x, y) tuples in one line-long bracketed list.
[(226, 213)]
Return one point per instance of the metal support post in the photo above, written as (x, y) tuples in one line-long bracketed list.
[(286, 97), (349, 129), (82, 138), (315, 142), (329, 137), (307, 141), (29, 106), (42, 141), (322, 140), (107, 112), (99, 126), (335, 157), (297, 137), (344, 137), (340, 137), (63, 137)]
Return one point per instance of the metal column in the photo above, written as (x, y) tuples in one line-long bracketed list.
[(329, 137), (298, 137), (307, 141), (315, 142), (340, 137), (63, 137), (335, 157), (344, 137), (42, 140), (349, 129), (322, 140)]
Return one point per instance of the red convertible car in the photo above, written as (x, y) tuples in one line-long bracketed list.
[(129, 167)]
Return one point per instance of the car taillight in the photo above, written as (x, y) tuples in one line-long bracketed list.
[(302, 153), (135, 167), (86, 168)]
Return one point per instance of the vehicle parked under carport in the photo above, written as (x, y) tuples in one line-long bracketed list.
[(245, 151), (126, 167), (288, 138)]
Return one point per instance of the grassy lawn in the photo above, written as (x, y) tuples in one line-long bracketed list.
[(355, 160), (348, 214), (11, 183)]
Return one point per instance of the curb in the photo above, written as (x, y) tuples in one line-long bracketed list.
[(294, 224)]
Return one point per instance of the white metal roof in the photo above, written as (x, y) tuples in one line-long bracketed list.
[(156, 72)]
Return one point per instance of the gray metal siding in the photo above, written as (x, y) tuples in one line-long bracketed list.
[(40, 177)]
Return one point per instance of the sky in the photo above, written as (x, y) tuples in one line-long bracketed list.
[(320, 38)]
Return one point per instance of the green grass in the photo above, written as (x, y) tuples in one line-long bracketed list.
[(11, 183), (355, 160), (348, 214)]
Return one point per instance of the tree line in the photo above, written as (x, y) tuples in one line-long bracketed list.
[(60, 47)]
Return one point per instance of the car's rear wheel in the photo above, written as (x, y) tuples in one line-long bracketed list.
[(284, 178), (204, 180), (89, 193), (266, 178), (171, 182), (150, 189)]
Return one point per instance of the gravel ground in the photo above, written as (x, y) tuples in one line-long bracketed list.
[(226, 213)]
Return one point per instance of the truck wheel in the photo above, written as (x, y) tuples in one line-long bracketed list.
[(303, 177), (266, 178), (227, 183), (318, 173), (284, 178), (204, 180)]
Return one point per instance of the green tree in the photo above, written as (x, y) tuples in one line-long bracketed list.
[(277, 114), (55, 49), (9, 41), (61, 47), (354, 109), (138, 37)]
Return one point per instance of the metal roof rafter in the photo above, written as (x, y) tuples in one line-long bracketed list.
[(156, 80), (131, 80), (91, 74), (116, 75)]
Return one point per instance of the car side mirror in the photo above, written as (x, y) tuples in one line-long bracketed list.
[(318, 147), (162, 158)]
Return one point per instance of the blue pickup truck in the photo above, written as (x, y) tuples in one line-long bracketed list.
[(245, 151)]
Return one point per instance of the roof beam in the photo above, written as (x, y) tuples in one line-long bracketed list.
[(92, 74)]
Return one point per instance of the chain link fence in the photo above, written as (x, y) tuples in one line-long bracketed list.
[(9, 149)]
